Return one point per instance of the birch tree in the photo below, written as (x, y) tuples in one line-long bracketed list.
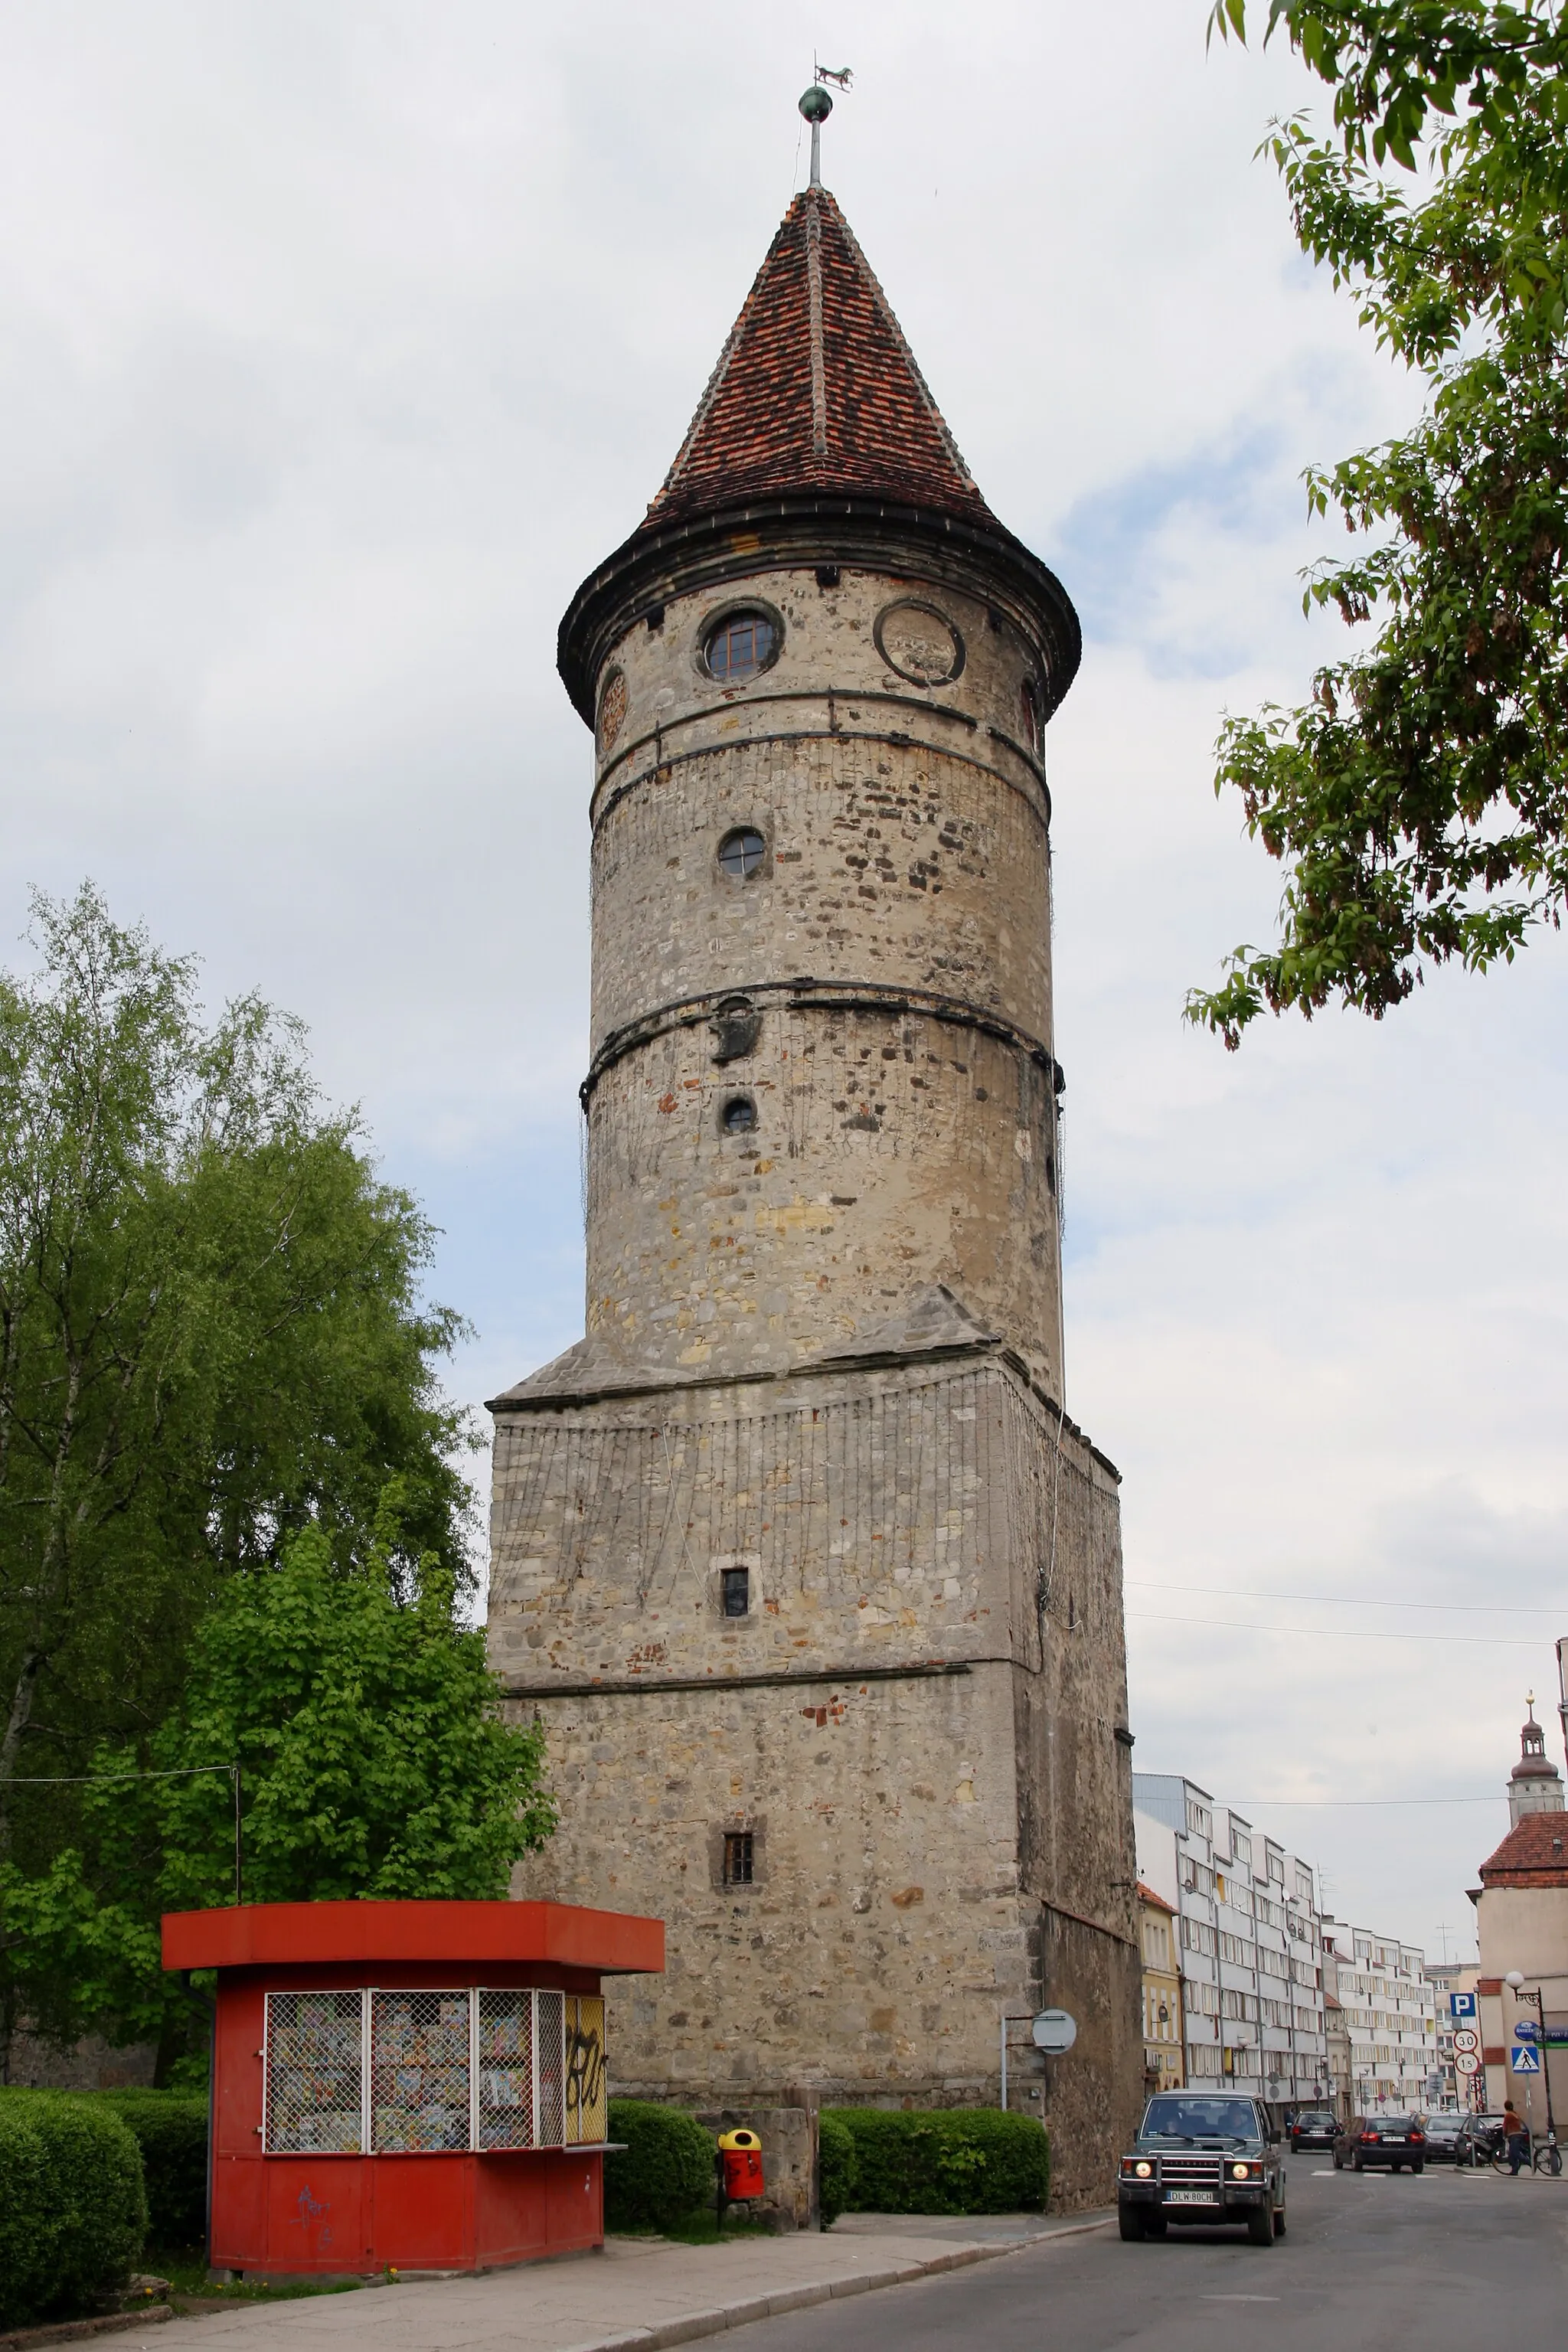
[(212, 1337)]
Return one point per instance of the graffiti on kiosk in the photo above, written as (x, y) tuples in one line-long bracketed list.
[(311, 2210), (584, 2068)]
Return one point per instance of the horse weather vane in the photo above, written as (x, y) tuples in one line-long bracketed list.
[(816, 105)]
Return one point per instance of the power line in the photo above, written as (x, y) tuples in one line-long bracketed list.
[(98, 1780), (1342, 1600), (1338, 1632), (1333, 1803), (179, 1772)]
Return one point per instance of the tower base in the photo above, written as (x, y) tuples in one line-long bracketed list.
[(887, 1807)]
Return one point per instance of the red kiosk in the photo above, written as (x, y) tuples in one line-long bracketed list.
[(414, 2085)]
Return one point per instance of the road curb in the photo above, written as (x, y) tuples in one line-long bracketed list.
[(694, 2325), (71, 2331)]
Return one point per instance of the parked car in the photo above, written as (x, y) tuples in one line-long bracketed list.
[(1393, 2141), (1479, 2139), (1443, 2135), (1314, 2128), (1203, 2157)]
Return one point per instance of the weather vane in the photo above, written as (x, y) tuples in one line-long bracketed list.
[(816, 105)]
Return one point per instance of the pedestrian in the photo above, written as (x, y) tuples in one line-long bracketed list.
[(1517, 2134)]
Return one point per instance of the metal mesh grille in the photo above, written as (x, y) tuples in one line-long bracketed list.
[(315, 2059), (587, 2102), (506, 2069), (549, 2067), (420, 2070)]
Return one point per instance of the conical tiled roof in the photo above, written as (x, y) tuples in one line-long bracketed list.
[(816, 389), (817, 442)]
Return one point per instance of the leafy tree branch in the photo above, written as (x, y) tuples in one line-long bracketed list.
[(1419, 800)]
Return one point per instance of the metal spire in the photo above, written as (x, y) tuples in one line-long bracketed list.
[(816, 105)]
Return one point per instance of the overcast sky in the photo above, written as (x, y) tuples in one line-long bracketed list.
[(341, 341)]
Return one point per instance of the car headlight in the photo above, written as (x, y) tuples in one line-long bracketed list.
[(1144, 2169), (1246, 2172)]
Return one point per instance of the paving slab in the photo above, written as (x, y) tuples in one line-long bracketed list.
[(637, 2294)]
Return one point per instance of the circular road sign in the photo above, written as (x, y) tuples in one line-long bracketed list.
[(1525, 2028), (1466, 2037), (1054, 2032), (1467, 2062)]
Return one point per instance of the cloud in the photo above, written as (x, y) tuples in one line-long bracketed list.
[(340, 344)]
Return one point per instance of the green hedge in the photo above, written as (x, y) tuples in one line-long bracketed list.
[(942, 2160), (840, 2177), (664, 2172), (73, 2211), (170, 2128)]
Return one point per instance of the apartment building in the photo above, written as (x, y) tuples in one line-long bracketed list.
[(1158, 1929), (1446, 1977), (1249, 1944), (1390, 2008)]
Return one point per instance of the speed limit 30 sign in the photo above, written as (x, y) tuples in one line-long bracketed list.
[(1466, 2037)]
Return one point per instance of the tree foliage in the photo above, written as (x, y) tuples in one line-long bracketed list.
[(1419, 800), (212, 1339), (372, 1761)]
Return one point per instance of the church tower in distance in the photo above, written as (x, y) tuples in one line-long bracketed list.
[(816, 1589)]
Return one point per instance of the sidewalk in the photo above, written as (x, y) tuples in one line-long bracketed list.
[(638, 2293)]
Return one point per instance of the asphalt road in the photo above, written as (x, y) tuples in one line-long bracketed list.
[(1444, 2263)]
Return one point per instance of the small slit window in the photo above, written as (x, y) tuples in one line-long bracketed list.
[(738, 1116), (738, 1859), (739, 647), (1031, 708), (741, 852), (737, 1591)]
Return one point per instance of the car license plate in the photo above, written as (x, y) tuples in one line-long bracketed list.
[(1191, 2196), (1392, 2139)]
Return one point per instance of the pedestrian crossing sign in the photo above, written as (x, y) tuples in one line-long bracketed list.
[(1524, 2059)]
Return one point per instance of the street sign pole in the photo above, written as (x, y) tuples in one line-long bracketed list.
[(1545, 2061)]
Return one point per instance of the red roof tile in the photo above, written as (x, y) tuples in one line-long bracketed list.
[(816, 389), (1147, 1894), (1533, 1854)]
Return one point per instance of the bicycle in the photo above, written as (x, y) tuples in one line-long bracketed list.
[(1540, 2155)]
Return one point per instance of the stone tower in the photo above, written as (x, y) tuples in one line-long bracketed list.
[(813, 1583)]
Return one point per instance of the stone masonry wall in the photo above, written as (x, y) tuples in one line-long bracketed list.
[(879, 1513), (890, 959), (865, 839), (902, 862), (885, 1724), (890, 1152)]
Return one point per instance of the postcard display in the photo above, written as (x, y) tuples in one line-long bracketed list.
[(405, 2073), (384, 2096)]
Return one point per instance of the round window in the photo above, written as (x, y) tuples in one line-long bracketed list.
[(741, 852), (740, 645), (738, 1116), (612, 709)]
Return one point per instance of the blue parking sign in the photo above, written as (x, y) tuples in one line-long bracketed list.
[(1462, 2004)]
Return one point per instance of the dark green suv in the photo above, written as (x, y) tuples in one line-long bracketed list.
[(1203, 2157)]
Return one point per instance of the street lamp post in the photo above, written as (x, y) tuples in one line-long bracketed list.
[(1516, 1985)]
